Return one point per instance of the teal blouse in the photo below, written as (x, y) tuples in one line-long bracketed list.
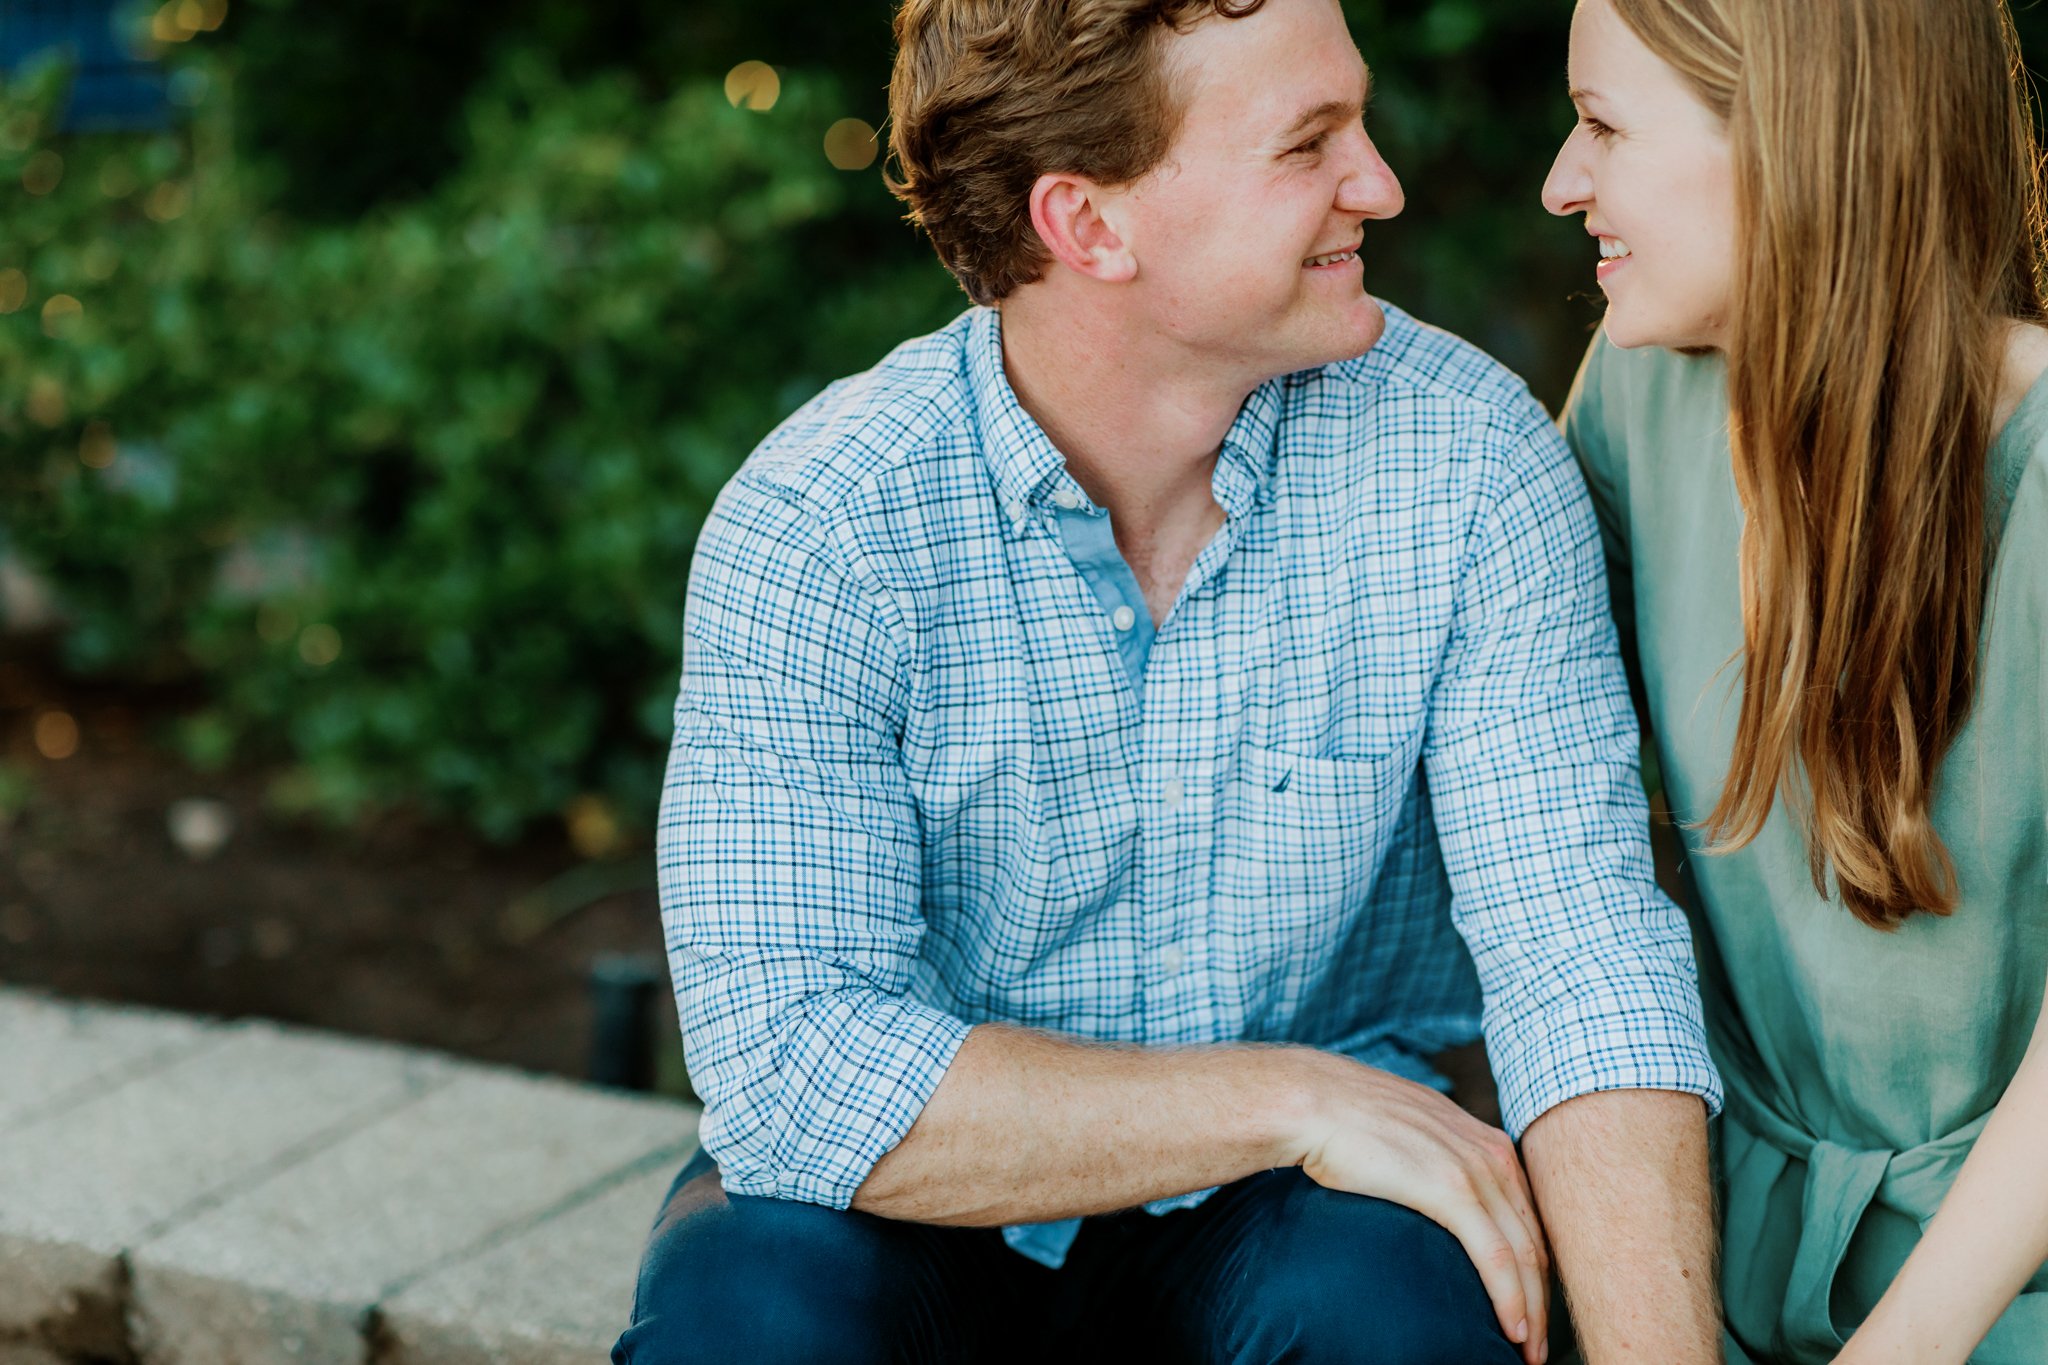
[(1860, 1065)]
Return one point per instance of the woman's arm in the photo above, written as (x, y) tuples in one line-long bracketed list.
[(1989, 1238)]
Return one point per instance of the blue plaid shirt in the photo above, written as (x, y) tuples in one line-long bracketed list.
[(933, 767)]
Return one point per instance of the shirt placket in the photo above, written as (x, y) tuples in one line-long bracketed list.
[(1178, 765)]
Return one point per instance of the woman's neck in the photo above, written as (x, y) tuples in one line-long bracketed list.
[(2025, 361)]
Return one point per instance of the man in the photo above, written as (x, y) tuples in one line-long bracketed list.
[(1099, 724)]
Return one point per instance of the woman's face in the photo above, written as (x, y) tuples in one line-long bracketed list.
[(1648, 165)]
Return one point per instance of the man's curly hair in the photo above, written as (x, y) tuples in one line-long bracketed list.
[(988, 95)]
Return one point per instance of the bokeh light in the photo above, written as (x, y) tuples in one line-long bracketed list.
[(168, 24), (117, 178), (167, 201), (18, 133), (753, 85), (96, 447), (276, 623), (56, 734), (47, 405), (43, 173), (593, 826), (60, 313), (13, 290), (200, 826), (320, 645), (100, 260), (850, 145), (188, 87)]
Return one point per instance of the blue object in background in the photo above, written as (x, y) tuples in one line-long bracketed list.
[(113, 89)]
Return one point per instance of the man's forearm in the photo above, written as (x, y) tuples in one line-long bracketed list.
[(1621, 1181), (1027, 1127)]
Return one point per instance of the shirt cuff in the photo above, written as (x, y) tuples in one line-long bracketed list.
[(855, 1073), (1559, 1054)]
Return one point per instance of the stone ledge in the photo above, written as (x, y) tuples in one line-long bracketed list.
[(182, 1191)]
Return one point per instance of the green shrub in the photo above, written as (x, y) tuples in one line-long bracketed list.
[(415, 496), (402, 378)]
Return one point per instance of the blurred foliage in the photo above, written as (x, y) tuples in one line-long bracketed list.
[(385, 397), (415, 495), (1469, 108)]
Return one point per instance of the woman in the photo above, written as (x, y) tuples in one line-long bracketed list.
[(1817, 434)]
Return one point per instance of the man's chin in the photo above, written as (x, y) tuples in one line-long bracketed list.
[(1358, 332), (1301, 343)]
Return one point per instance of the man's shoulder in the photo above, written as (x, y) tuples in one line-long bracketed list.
[(1416, 363), (913, 402)]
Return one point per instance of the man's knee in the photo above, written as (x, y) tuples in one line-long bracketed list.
[(764, 1282), (1344, 1278)]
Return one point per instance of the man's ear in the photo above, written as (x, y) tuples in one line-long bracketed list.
[(1074, 218)]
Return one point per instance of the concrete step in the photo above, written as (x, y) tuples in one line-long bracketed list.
[(240, 1194)]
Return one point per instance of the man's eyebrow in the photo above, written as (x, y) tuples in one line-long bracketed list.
[(1331, 111)]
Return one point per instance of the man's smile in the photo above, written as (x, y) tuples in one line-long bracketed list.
[(1341, 257)]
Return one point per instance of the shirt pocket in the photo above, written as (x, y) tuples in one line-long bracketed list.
[(1300, 837)]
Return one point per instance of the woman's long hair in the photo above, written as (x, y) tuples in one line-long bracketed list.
[(1890, 220)]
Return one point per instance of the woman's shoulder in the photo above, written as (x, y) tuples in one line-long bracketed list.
[(1655, 387), (2019, 455), (1643, 403)]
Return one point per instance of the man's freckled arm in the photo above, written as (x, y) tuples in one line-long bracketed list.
[(1593, 1010), (1621, 1181), (1027, 1127)]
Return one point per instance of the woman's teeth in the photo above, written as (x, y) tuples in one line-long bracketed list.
[(1613, 248)]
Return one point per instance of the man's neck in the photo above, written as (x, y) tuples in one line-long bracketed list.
[(1140, 427)]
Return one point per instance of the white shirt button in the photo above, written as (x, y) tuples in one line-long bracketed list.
[(1173, 791), (1123, 618), (1171, 958), (1014, 511), (1067, 498)]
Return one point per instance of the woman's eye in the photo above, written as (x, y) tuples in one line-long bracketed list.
[(1594, 126)]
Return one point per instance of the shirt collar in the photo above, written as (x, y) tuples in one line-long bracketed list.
[(1019, 453), (1025, 463)]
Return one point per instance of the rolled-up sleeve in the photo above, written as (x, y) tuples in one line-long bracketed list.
[(1532, 761), (789, 860)]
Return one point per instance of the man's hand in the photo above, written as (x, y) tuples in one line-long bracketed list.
[(1370, 1132), (1029, 1128)]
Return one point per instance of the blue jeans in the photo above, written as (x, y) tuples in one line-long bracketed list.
[(1272, 1268)]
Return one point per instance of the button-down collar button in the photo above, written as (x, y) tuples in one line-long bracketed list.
[(1171, 958), (1123, 618), (1067, 498), (1014, 510), (1173, 791)]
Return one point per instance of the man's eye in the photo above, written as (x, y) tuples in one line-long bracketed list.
[(1314, 144)]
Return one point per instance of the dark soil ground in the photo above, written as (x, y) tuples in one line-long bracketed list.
[(402, 930)]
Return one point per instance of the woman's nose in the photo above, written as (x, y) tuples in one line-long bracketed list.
[(1568, 189)]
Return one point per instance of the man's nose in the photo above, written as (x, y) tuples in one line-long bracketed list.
[(1371, 190)]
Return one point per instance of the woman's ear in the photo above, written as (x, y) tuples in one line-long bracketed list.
[(1074, 218)]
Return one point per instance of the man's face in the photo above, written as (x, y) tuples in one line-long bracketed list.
[(1246, 236)]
